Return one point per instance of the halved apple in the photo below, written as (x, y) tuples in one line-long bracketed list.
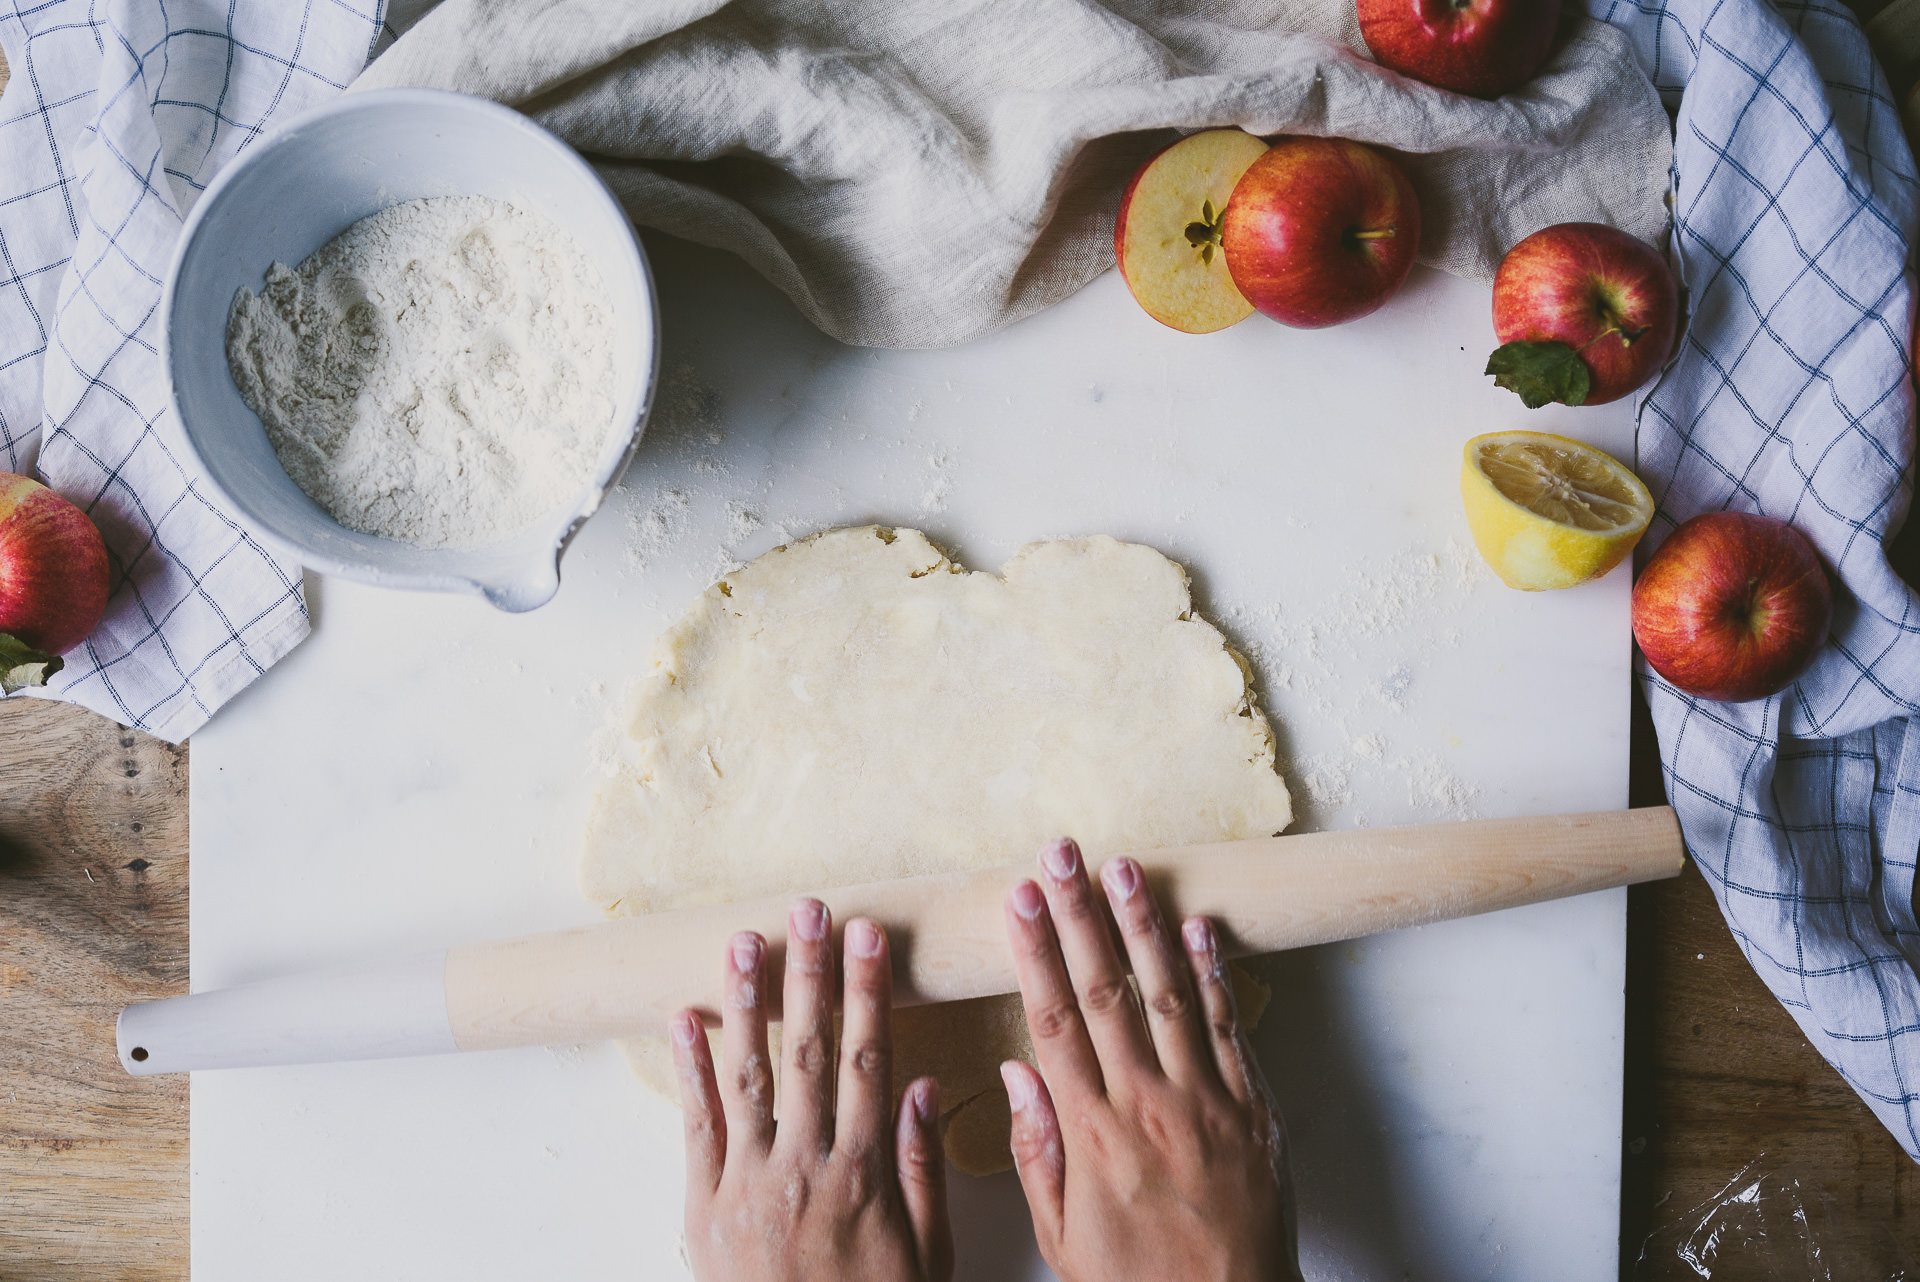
[(1167, 237)]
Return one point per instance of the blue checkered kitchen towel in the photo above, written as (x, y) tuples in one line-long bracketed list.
[(1794, 214), (1795, 209), (116, 115)]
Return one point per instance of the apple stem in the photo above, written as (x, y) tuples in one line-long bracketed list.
[(1615, 323), (1614, 326), (1383, 233)]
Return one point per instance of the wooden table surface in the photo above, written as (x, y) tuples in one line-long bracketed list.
[(1745, 1157)]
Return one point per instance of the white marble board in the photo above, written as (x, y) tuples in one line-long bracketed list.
[(416, 775)]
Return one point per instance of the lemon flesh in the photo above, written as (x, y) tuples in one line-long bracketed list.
[(1550, 512)]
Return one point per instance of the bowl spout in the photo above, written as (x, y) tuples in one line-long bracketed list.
[(524, 588)]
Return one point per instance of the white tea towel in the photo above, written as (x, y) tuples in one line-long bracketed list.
[(116, 116), (1793, 396), (920, 172)]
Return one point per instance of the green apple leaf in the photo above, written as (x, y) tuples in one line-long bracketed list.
[(21, 665), (1541, 373)]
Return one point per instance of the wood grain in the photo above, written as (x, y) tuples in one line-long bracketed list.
[(93, 915)]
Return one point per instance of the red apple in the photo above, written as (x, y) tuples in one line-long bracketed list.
[(53, 580), (1585, 314), (1732, 606), (1167, 237), (1481, 47), (1320, 231)]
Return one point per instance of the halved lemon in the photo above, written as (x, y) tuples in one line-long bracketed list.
[(1549, 512)]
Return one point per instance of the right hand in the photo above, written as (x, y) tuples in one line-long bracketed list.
[(1147, 1143)]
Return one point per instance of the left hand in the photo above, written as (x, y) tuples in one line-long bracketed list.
[(832, 1193)]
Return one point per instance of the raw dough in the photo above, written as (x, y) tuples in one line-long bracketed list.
[(855, 707)]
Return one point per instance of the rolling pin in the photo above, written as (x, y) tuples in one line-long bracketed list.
[(625, 978)]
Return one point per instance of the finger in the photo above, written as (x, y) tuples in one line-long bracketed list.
[(806, 1042), (1233, 1055), (746, 1092), (1100, 981), (706, 1124), (1161, 970), (1232, 1062), (1060, 1040), (1037, 1150), (866, 1042), (923, 1177)]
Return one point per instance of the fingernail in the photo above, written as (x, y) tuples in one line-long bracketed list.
[(863, 939), (808, 920), (1027, 900), (685, 1029), (747, 950), (1198, 932), (1061, 858), (1122, 878), (1019, 1086), (926, 1094)]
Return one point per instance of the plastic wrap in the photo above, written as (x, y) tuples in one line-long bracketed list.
[(1764, 1225)]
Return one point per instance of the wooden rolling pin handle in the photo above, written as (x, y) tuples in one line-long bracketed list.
[(628, 977), (376, 1013)]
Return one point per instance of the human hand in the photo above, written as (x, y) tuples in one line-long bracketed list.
[(833, 1192), (1147, 1143)]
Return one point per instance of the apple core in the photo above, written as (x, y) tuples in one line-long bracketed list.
[(1204, 233), (1167, 238)]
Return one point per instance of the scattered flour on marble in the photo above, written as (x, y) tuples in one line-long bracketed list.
[(1315, 674), (657, 527), (1328, 779), (940, 469), (741, 522), (1391, 689), (686, 414), (687, 429), (712, 520), (1433, 787), (570, 1056)]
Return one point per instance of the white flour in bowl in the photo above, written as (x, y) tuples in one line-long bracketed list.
[(440, 373)]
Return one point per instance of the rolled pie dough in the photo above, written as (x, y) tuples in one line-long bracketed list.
[(855, 706)]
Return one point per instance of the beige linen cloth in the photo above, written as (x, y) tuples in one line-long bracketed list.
[(916, 173)]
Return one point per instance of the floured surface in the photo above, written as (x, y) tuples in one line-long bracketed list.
[(856, 707), (1453, 1091)]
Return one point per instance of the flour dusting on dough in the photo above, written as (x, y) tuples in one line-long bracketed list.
[(855, 707)]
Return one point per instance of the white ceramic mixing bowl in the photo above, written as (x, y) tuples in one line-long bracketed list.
[(292, 192)]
